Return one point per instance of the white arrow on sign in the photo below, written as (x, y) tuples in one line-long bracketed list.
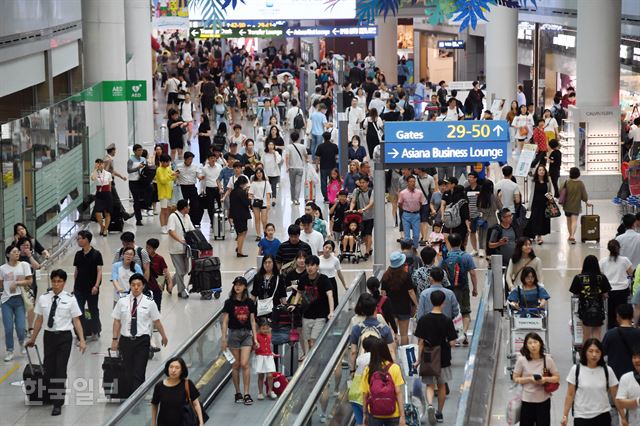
[(335, 31), (289, 32), (498, 130), (243, 32), (394, 152)]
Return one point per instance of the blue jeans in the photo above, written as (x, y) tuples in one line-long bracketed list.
[(411, 222), (315, 141), (357, 412), (13, 311), (374, 421)]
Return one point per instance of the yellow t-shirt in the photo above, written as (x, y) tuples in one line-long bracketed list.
[(164, 180), (396, 376)]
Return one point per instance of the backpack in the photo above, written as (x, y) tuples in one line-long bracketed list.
[(219, 141), (558, 114), (409, 112), (232, 100), (451, 217), (298, 121), (590, 307), (368, 331), (455, 269), (497, 228), (382, 393)]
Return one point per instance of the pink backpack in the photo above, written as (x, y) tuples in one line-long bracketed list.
[(382, 393)]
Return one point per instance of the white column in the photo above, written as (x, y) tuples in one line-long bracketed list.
[(138, 43), (104, 59), (597, 53), (416, 57), (387, 48), (500, 52)]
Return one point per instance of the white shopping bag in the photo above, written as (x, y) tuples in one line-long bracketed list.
[(407, 356)]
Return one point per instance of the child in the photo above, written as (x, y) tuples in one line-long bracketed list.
[(263, 362), (436, 237), (350, 236), (555, 162), (337, 213), (268, 244), (334, 186)]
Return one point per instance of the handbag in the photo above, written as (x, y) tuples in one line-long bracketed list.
[(523, 131), (265, 306), (27, 298), (548, 387), (551, 210), (563, 195), (189, 416), (256, 203), (514, 405)]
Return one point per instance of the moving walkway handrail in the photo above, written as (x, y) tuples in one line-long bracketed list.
[(151, 380), (358, 285)]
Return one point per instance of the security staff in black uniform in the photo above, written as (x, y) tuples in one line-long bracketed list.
[(134, 316), (60, 313)]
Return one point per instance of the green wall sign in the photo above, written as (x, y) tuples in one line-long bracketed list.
[(116, 91)]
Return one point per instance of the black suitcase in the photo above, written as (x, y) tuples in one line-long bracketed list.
[(116, 225), (33, 377), (217, 228), (205, 275), (197, 241), (113, 377)]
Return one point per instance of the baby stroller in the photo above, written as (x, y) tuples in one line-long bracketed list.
[(353, 254)]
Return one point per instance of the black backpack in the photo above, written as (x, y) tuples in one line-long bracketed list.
[(409, 112), (219, 142), (559, 114), (298, 121), (497, 228)]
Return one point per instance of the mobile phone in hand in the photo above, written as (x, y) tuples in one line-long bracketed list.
[(537, 377)]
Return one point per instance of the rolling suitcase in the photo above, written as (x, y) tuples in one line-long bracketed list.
[(217, 228), (33, 377), (590, 227), (113, 377)]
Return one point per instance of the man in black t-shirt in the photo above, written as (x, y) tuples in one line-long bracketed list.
[(326, 157), (317, 298), (618, 342), (436, 329), (87, 280)]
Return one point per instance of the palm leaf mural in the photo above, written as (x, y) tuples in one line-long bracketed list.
[(212, 11), (439, 11), (470, 11)]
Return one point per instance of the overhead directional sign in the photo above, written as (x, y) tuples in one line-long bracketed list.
[(198, 32), (416, 142), (283, 31), (354, 31)]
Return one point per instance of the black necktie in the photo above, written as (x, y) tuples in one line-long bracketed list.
[(134, 317), (52, 312)]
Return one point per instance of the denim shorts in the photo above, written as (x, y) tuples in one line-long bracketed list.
[(238, 338)]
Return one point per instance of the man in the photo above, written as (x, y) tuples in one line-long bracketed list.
[(212, 186), (141, 257), (507, 190), (178, 225), (310, 235), (289, 249), (630, 240), (171, 88), (294, 161), (355, 117), (326, 155), (369, 87), (453, 112), (159, 268), (403, 72), (370, 63), (459, 266), (503, 237), (63, 314), (427, 186), (391, 113), (436, 329), (475, 97), (362, 201), (377, 102), (86, 283), (134, 317), (410, 201), (618, 341), (628, 396), (136, 183), (472, 190), (319, 125), (295, 120), (187, 180), (316, 290), (356, 74), (264, 115), (347, 94), (437, 278), (521, 98)]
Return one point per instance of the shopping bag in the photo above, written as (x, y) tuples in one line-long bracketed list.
[(457, 323), (407, 356), (514, 404)]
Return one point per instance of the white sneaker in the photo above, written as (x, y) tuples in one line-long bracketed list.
[(165, 230), (8, 357), (23, 350), (481, 253), (273, 395), (150, 213), (260, 397), (474, 253)]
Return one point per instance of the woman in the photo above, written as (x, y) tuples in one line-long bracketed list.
[(268, 285), (239, 211), (397, 285), (154, 165), (550, 125), (529, 295), (541, 192), (121, 272), (356, 151), (250, 158), (591, 383), (20, 231), (274, 136), (576, 193), (171, 394), (272, 160), (534, 362), (362, 99), (523, 256), (13, 276), (373, 287), (513, 111), (104, 202), (488, 204), (381, 362), (260, 196), (26, 255), (523, 125), (591, 288), (220, 112), (616, 268), (352, 177), (204, 138), (372, 127), (239, 335), (330, 266)]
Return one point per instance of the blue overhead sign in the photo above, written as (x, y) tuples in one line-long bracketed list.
[(470, 141)]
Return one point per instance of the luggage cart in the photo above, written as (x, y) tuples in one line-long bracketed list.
[(522, 322), (575, 324)]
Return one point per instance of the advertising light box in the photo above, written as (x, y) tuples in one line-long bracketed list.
[(266, 10)]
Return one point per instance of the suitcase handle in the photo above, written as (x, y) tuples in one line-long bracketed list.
[(587, 208), (109, 353), (29, 358)]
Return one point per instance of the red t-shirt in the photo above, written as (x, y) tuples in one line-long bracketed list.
[(264, 340), (540, 139), (157, 267)]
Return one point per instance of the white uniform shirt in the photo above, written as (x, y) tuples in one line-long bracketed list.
[(314, 239), (66, 310), (211, 175), (355, 116), (188, 174), (173, 224), (103, 178), (10, 274), (147, 313)]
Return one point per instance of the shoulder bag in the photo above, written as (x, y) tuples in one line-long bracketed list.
[(431, 365), (548, 387), (257, 203), (563, 194), (189, 415), (265, 306)]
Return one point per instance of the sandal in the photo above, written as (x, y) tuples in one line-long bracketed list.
[(248, 400), (238, 397)]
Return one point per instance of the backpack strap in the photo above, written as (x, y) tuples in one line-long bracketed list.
[(184, 231), (577, 380)]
